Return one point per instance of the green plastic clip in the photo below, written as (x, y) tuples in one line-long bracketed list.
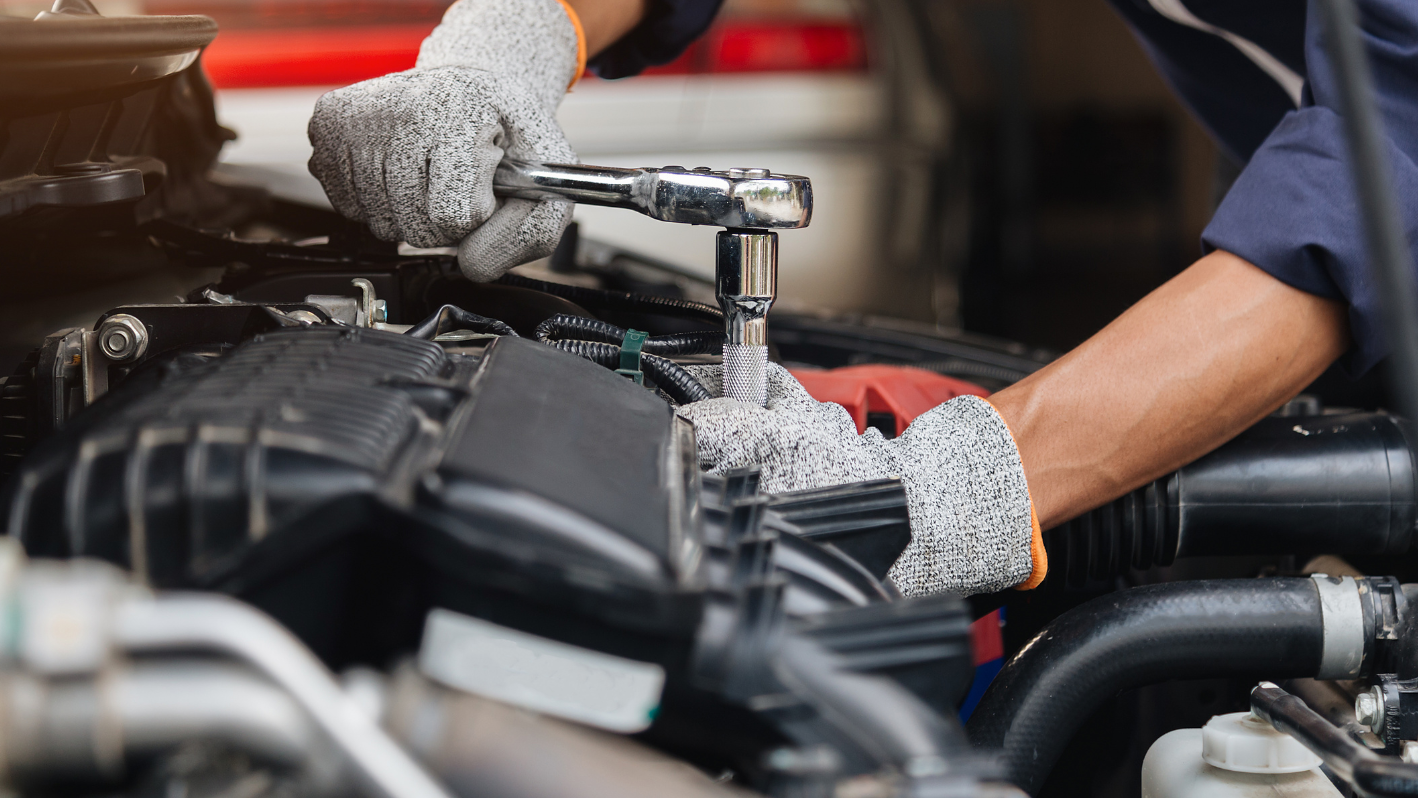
[(630, 348)]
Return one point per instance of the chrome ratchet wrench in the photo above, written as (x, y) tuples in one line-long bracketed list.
[(750, 203)]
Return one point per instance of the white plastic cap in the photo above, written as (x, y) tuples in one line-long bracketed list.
[(1244, 743)]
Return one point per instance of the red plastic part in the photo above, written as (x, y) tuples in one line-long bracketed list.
[(243, 59), (905, 393), (986, 639), (741, 46), (339, 55), (902, 391)]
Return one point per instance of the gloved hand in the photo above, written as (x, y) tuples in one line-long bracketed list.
[(972, 524), (412, 154)]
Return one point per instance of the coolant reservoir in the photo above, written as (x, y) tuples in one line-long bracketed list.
[(1233, 756)]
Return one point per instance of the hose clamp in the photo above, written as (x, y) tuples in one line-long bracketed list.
[(1345, 637)]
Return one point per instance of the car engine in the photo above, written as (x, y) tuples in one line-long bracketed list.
[(293, 511)]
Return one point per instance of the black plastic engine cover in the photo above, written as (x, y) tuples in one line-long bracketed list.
[(345, 480), (606, 453), (180, 480)]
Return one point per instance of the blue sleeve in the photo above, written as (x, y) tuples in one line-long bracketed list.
[(668, 29), (1294, 212), (1233, 99)]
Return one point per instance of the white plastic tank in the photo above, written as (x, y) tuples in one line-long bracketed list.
[(1233, 756)]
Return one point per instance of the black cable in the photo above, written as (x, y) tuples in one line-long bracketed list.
[(620, 300), (679, 384), (1391, 260), (438, 323), (564, 326), (1352, 762)]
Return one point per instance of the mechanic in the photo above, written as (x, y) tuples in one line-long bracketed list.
[(1282, 293)]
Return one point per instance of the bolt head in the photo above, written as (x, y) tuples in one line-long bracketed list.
[(1367, 710), (122, 338)]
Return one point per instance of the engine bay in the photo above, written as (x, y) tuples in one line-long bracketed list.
[(247, 446)]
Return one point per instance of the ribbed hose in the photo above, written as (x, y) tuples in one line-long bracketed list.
[(564, 326), (1180, 630), (1137, 530), (620, 300), (1348, 484), (439, 322), (670, 376)]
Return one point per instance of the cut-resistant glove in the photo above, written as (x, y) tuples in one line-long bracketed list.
[(972, 522), (412, 154)]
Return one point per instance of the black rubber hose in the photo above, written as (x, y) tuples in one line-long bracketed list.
[(1269, 628), (669, 375), (564, 326), (620, 300), (439, 322)]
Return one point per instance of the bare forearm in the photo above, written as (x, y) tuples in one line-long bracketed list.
[(1195, 362), (605, 21)]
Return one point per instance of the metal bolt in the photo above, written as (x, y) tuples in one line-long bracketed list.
[(1369, 711), (122, 337)]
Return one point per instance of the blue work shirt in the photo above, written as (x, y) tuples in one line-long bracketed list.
[(668, 29), (1256, 74)]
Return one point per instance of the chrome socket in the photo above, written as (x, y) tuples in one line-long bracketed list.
[(746, 283)]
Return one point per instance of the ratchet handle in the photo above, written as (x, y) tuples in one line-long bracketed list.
[(587, 185), (741, 198)]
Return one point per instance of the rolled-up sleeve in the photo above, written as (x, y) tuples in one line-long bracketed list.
[(1294, 211), (667, 30)]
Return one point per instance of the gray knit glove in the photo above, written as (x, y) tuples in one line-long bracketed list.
[(971, 526), (412, 154)]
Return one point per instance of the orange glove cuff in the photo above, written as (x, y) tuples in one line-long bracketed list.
[(580, 42), (1038, 556)]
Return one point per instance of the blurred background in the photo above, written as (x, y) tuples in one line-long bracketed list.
[(1011, 167)]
